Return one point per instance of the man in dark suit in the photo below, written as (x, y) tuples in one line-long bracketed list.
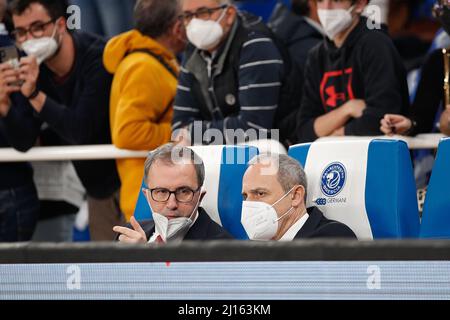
[(203, 229), (174, 176), (274, 207)]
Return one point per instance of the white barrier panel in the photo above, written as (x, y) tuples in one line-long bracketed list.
[(421, 141), (97, 152), (101, 152)]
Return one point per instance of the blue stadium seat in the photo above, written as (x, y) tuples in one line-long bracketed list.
[(436, 212), (224, 169), (366, 184)]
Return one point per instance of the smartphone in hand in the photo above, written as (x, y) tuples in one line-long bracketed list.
[(11, 55)]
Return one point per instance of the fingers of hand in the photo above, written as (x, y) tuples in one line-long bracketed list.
[(125, 239), (30, 60), (127, 232), (136, 226), (6, 66)]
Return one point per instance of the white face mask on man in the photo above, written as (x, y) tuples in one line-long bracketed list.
[(334, 21), (41, 48), (205, 34), (260, 220), (171, 229)]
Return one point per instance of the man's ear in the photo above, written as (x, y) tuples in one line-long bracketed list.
[(202, 196), (360, 5), (298, 197), (178, 27), (231, 15), (61, 23)]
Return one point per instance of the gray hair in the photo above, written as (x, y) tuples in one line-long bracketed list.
[(290, 171), (154, 18), (172, 154)]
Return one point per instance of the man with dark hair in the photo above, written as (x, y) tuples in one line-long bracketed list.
[(19, 205), (55, 9), (353, 78), (145, 70), (175, 176), (64, 85)]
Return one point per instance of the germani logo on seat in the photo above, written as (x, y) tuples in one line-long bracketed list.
[(333, 179), (320, 202)]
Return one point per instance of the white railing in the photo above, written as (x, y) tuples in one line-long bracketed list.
[(97, 152), (101, 152), (421, 141)]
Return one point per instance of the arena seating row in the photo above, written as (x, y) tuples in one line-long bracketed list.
[(367, 184)]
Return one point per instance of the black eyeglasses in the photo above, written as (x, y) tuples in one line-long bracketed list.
[(182, 195), (36, 30), (202, 13)]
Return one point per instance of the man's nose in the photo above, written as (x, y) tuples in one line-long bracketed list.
[(27, 37), (172, 203), (326, 4)]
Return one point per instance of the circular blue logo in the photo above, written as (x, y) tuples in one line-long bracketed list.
[(333, 179)]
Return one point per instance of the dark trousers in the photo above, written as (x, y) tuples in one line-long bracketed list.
[(19, 212), (104, 215)]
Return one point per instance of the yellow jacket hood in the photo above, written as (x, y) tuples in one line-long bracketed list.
[(119, 47)]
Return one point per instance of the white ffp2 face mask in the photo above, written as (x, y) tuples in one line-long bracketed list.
[(205, 34), (260, 220), (41, 48), (174, 228), (334, 21)]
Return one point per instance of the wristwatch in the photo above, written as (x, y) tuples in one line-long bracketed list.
[(34, 94), (412, 129)]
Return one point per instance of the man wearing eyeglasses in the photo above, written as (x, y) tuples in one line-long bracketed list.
[(231, 75), (174, 176), (65, 85)]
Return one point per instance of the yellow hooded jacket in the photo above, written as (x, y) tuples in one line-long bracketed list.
[(141, 93)]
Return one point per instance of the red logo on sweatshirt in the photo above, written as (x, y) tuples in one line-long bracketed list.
[(331, 97)]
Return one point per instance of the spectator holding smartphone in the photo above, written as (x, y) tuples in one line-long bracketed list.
[(67, 87), (19, 205)]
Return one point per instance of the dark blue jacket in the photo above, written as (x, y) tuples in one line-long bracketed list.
[(204, 228), (317, 226), (299, 37), (205, 94), (297, 34), (12, 175)]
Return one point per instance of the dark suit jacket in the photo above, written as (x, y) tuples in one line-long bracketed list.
[(317, 226), (203, 229)]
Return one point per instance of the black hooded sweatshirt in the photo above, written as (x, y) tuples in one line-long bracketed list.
[(366, 67)]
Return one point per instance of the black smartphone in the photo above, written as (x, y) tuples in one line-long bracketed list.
[(11, 55)]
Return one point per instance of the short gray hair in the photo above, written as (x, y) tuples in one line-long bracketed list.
[(153, 18), (290, 171), (168, 153)]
